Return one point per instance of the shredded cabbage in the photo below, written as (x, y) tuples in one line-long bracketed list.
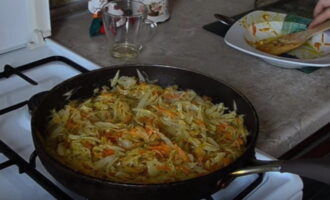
[(137, 132)]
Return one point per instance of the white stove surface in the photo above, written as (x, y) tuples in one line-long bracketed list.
[(15, 132)]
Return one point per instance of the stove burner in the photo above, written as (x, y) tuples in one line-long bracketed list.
[(13, 157), (35, 100)]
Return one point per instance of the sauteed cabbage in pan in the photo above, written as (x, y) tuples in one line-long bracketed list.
[(137, 132)]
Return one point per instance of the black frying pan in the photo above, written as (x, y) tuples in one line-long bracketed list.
[(196, 188)]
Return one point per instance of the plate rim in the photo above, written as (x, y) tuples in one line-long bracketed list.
[(233, 41)]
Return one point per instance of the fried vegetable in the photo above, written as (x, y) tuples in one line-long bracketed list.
[(138, 132)]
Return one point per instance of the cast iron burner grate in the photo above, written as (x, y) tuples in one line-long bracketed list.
[(13, 157), (30, 167)]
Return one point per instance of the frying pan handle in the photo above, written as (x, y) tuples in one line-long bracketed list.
[(317, 169)]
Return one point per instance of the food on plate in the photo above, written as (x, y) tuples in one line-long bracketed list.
[(287, 42), (284, 35), (137, 132), (279, 45)]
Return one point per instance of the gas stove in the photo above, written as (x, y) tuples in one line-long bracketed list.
[(31, 63), (26, 72)]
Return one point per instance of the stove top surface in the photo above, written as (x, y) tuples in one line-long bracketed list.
[(15, 130)]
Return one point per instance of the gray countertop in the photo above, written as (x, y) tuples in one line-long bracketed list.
[(291, 105)]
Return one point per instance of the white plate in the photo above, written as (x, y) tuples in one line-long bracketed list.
[(252, 28)]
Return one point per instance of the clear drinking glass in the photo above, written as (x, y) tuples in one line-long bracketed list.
[(127, 27)]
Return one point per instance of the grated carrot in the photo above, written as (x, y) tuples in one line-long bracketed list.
[(164, 167), (254, 29), (226, 161), (167, 112), (106, 94), (221, 128), (107, 152), (170, 96), (149, 130), (112, 137), (147, 120), (228, 135), (240, 141), (133, 131), (184, 169), (200, 122), (182, 154), (83, 115), (87, 144), (70, 124), (162, 148)]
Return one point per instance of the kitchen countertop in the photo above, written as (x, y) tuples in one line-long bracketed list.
[(291, 105)]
